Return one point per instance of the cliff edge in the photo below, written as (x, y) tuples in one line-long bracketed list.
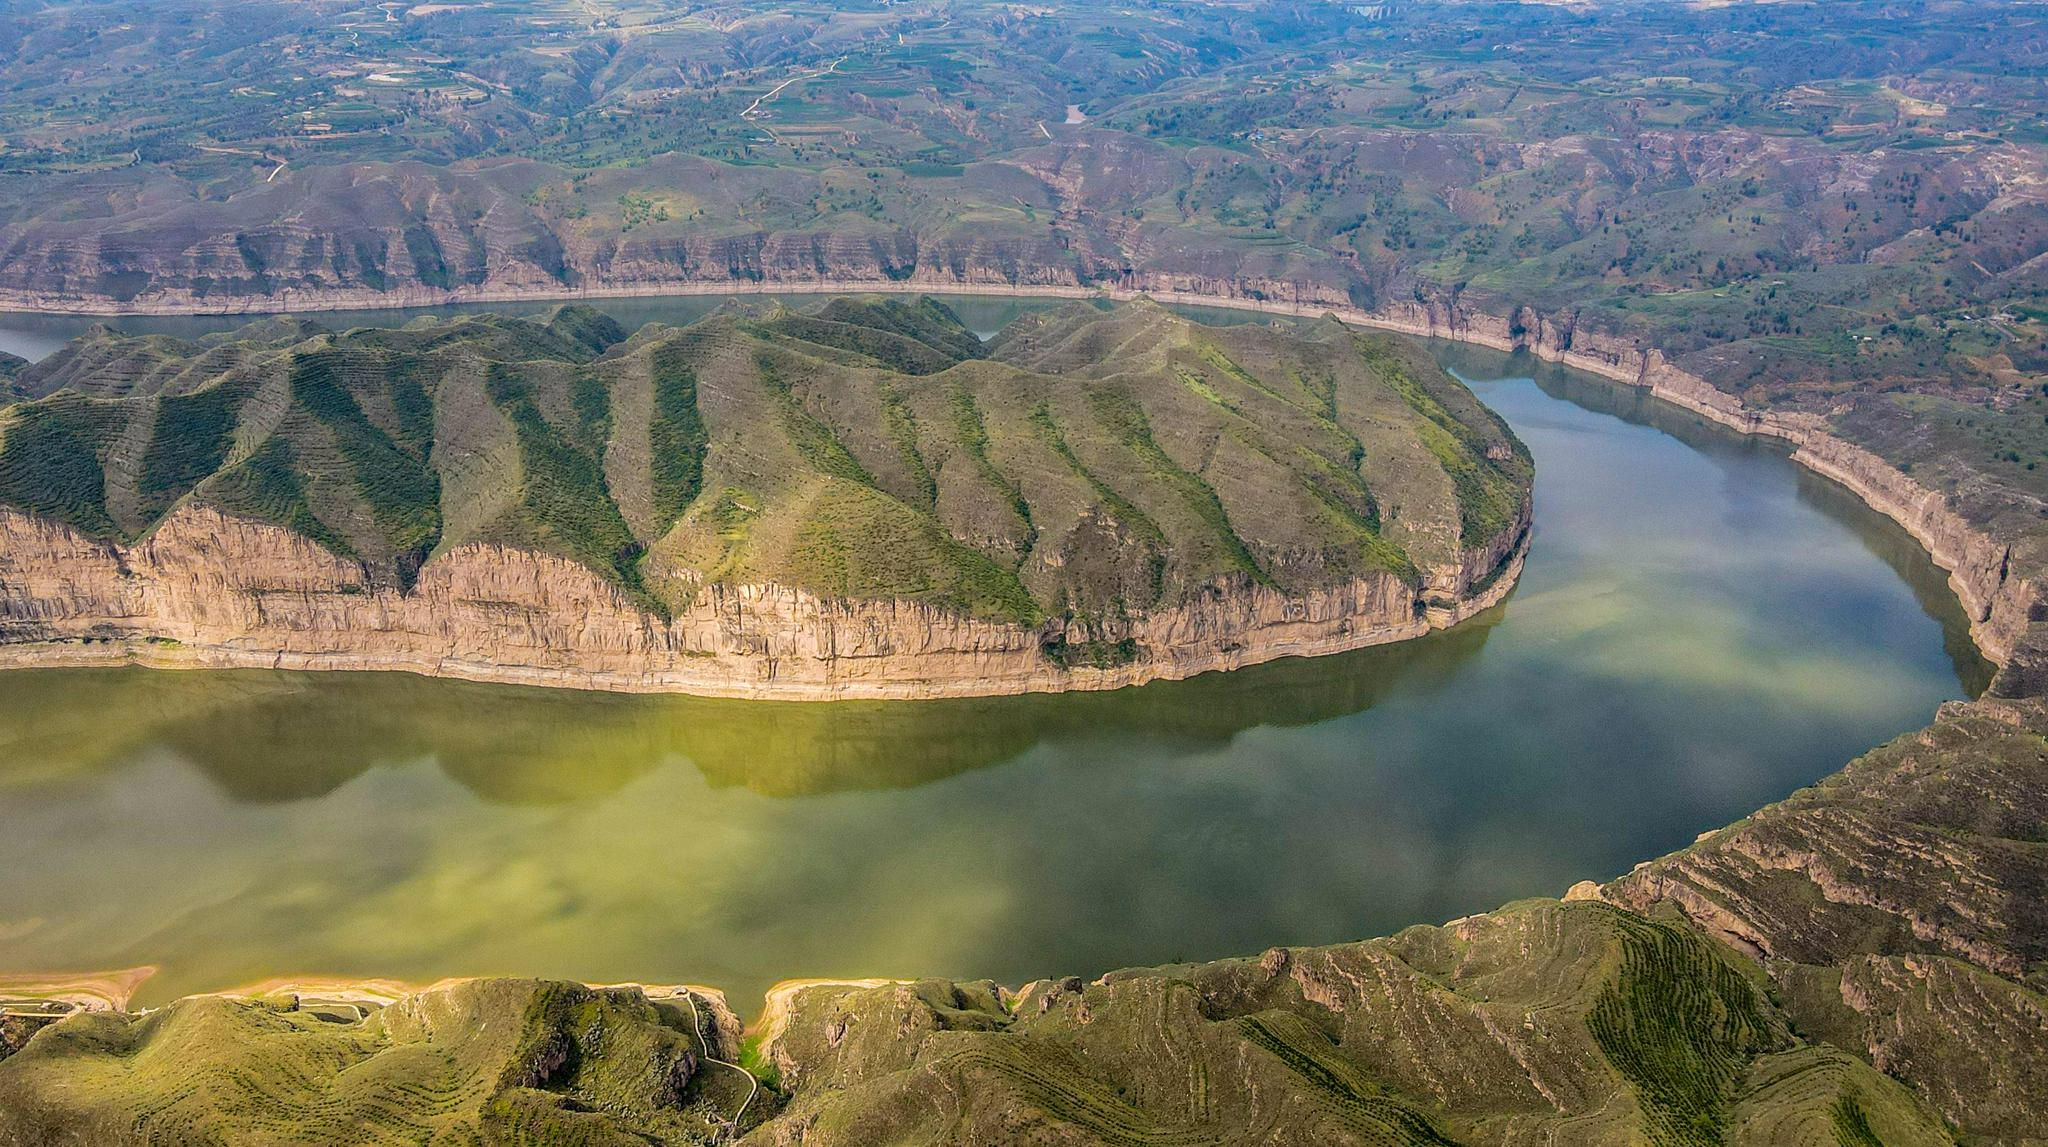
[(859, 499)]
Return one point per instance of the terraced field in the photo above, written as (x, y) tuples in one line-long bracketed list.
[(1542, 1019)]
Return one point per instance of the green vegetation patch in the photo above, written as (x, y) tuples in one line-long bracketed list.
[(586, 328), (50, 462), (266, 487), (1489, 493), (1309, 1054), (565, 506), (676, 436), (590, 402), (970, 430), (1119, 507), (1214, 356), (1851, 1125), (1680, 1023), (411, 401), (903, 432), (1127, 423), (858, 542), (924, 319), (896, 351), (1353, 509), (191, 438), (1201, 389), (813, 440), (401, 490)]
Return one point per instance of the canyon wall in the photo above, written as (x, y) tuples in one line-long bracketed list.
[(2000, 600), (209, 590)]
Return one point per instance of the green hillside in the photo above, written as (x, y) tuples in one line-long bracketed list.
[(1089, 461)]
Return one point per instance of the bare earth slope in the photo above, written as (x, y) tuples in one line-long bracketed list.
[(856, 499)]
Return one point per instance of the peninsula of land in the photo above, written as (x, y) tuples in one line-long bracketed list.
[(855, 499)]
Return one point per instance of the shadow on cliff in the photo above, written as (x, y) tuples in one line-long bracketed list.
[(271, 737)]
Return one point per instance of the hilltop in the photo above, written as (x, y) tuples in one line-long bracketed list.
[(767, 500)]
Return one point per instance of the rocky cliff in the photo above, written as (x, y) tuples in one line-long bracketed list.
[(832, 504), (2000, 599), (213, 591)]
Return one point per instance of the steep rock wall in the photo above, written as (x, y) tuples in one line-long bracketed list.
[(2000, 601), (210, 590)]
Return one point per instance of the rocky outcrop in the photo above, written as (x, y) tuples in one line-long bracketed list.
[(206, 589)]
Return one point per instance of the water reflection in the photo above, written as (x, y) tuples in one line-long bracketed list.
[(1699, 631), (267, 737)]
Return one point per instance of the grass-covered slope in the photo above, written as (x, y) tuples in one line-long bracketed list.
[(1094, 463), (1543, 1022), (1858, 965), (501, 1061)]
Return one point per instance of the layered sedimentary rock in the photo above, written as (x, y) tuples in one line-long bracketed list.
[(1897, 908), (209, 590), (851, 502)]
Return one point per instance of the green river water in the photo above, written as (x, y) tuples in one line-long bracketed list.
[(1702, 628)]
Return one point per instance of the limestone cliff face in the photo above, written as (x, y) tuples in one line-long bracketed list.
[(209, 590)]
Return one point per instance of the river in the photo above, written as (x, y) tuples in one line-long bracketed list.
[(1702, 628)]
